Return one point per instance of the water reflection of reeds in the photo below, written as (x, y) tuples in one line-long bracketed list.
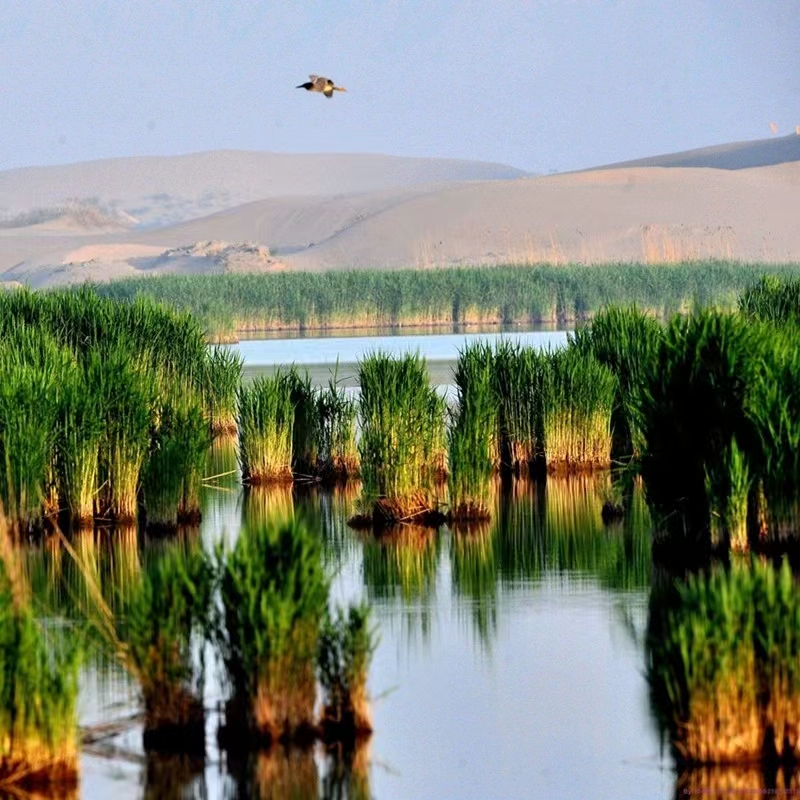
[(722, 663), (402, 563), (270, 504), (292, 773), (173, 776), (474, 573), (557, 526), (402, 566), (722, 783), (280, 773)]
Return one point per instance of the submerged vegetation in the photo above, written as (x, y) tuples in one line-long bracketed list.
[(446, 297)]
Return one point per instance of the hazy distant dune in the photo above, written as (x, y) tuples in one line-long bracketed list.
[(736, 155), (170, 189)]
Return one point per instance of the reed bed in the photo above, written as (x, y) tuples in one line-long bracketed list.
[(79, 409), (626, 341), (576, 399), (772, 298), (273, 594), (175, 463), (266, 428), (694, 410), (337, 448), (402, 446), (169, 604), (305, 436), (473, 435), (445, 297), (723, 665), (221, 382), (517, 378), (347, 643)]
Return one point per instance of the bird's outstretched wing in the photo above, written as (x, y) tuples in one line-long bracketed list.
[(328, 92), (313, 77)]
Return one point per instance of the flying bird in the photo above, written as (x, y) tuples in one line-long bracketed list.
[(320, 84)]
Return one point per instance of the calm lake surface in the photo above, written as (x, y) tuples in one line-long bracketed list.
[(511, 657)]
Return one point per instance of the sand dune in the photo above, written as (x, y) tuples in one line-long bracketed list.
[(736, 155), (629, 213), (166, 190)]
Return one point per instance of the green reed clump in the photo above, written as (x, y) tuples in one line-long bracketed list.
[(266, 421), (39, 666), (83, 362), (79, 433), (179, 442), (33, 366), (472, 434), (170, 601), (723, 655), (223, 376), (576, 400), (693, 406), (306, 422), (402, 435), (273, 592), (346, 646), (517, 377), (337, 448), (772, 298), (773, 408), (126, 394), (625, 340)]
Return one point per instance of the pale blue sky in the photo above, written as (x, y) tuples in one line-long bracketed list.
[(542, 85)]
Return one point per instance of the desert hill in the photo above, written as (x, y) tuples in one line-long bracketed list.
[(718, 204)]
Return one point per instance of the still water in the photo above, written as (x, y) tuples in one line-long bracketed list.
[(339, 355), (511, 657)]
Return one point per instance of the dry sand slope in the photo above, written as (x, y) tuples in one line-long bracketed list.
[(330, 212)]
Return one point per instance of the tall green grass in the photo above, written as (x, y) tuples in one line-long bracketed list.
[(337, 448), (266, 425), (179, 442), (625, 340), (78, 399), (693, 408), (473, 435), (402, 446), (517, 378), (448, 296), (223, 376), (168, 604), (576, 397), (273, 593)]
